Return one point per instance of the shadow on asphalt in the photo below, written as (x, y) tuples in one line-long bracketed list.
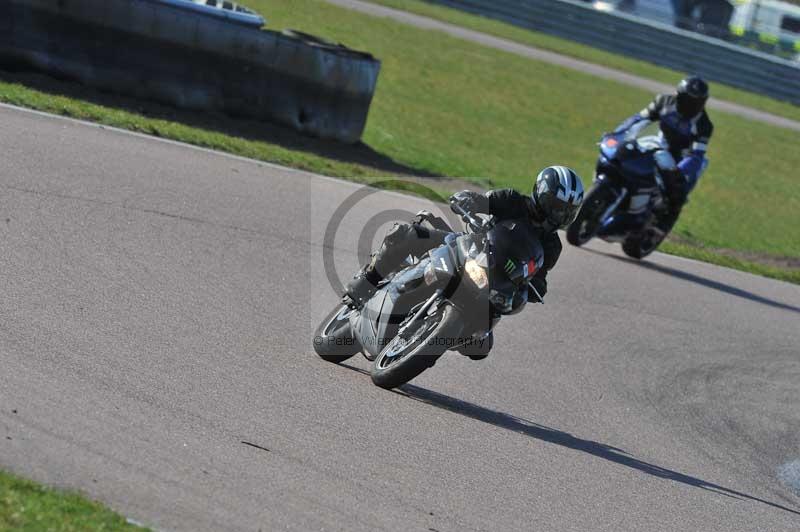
[(359, 153), (564, 439), (710, 283)]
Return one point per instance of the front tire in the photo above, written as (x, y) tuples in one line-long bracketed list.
[(397, 363), (333, 339), (589, 219)]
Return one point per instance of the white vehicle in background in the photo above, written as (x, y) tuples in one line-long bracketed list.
[(773, 22), (222, 9), (656, 10), (710, 17)]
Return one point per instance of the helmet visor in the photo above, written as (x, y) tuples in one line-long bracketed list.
[(560, 215), (688, 105)]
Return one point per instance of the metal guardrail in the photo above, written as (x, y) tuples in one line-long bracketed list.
[(151, 49), (656, 43)]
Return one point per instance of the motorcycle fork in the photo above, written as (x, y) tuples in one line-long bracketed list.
[(422, 310), (614, 204)]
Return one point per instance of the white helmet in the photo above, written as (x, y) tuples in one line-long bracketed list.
[(557, 196)]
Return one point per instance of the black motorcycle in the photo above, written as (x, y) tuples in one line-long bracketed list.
[(449, 299), (626, 197)]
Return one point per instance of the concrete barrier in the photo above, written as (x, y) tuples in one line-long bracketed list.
[(148, 49)]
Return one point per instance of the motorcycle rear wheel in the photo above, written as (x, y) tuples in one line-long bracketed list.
[(333, 339), (637, 246), (405, 358), (588, 221)]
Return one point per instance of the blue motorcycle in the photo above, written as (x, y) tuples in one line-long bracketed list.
[(626, 197)]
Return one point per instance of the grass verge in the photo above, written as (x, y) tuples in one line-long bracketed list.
[(29, 507), (728, 259), (585, 53), (446, 107), (64, 99)]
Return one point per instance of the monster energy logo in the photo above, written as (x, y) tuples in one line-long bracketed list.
[(509, 267)]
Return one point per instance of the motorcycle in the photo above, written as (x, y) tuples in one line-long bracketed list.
[(626, 197), (449, 299)]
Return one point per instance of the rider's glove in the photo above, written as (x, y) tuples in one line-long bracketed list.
[(464, 199)]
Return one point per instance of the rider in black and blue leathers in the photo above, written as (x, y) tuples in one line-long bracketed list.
[(686, 130)]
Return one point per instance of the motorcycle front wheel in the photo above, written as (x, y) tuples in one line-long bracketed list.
[(590, 216), (333, 340), (417, 349)]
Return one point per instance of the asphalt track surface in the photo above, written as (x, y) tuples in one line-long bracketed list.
[(156, 319), (538, 54)]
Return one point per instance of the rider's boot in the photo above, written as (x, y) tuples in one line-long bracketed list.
[(676, 197), (394, 248), (477, 349), (401, 241), (666, 219), (363, 284)]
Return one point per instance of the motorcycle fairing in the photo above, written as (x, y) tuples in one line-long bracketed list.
[(629, 165), (380, 318)]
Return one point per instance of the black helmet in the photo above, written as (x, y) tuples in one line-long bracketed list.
[(557, 196), (691, 95)]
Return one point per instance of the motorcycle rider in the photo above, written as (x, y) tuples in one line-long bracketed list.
[(553, 204), (686, 130)]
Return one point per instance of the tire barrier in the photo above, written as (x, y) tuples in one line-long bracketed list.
[(188, 59)]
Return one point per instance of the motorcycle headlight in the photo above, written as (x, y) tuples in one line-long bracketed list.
[(476, 273)]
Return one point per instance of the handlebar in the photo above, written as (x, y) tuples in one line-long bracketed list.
[(475, 223)]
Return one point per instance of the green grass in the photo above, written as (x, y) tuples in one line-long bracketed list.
[(25, 96), (586, 53), (459, 109), (454, 108), (29, 507)]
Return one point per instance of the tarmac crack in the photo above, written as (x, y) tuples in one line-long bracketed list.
[(256, 446)]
